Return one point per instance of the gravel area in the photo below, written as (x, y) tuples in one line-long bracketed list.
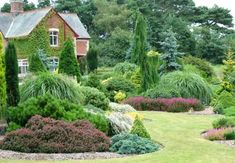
[(207, 111), (74, 156), (230, 143)]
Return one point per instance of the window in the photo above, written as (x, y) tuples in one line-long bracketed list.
[(23, 66), (54, 37)]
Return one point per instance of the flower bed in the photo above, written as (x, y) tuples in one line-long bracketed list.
[(220, 134), (164, 104)]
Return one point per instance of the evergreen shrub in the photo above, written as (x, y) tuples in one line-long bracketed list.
[(223, 101), (224, 122), (139, 129), (49, 106), (46, 135), (203, 65), (95, 97), (132, 144)]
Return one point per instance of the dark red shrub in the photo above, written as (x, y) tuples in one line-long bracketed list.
[(164, 104), (46, 135)]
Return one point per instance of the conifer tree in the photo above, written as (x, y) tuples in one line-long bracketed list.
[(68, 62), (148, 68), (12, 80), (3, 95), (139, 129), (35, 62), (92, 59), (171, 54), (229, 64)]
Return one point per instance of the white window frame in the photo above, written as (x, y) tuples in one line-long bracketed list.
[(23, 65), (54, 37)]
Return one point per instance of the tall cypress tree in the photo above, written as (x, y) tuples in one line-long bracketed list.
[(3, 95), (148, 69), (68, 62), (12, 80), (92, 59)]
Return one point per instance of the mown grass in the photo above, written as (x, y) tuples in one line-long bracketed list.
[(180, 134)]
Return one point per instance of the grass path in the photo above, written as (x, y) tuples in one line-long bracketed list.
[(180, 134)]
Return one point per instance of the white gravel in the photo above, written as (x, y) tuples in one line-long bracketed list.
[(4, 154), (230, 143), (207, 111)]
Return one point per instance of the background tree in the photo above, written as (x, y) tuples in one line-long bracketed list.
[(43, 3), (12, 80), (29, 6), (3, 94), (216, 18), (35, 62), (92, 59), (85, 9), (211, 45), (114, 48), (170, 53), (68, 6), (104, 20), (6, 7), (68, 62)]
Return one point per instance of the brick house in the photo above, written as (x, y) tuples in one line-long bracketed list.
[(41, 29)]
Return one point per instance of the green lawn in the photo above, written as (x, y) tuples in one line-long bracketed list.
[(180, 134)]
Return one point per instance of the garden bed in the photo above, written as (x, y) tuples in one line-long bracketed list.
[(4, 154)]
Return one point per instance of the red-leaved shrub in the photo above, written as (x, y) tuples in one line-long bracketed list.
[(164, 104), (46, 135)]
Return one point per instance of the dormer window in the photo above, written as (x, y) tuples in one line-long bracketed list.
[(54, 37)]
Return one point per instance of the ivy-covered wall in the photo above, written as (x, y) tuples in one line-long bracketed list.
[(39, 38)]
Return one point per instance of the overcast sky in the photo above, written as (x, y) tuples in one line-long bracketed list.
[(230, 4)]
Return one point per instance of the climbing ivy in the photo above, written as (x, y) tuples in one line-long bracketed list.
[(39, 38)]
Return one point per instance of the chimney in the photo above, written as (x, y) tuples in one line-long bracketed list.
[(17, 6)]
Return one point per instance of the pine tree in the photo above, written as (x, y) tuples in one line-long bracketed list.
[(92, 59), (68, 62), (171, 54), (12, 80), (36, 63), (3, 94)]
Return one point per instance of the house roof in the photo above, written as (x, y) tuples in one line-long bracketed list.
[(74, 22), (24, 23), (5, 22)]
